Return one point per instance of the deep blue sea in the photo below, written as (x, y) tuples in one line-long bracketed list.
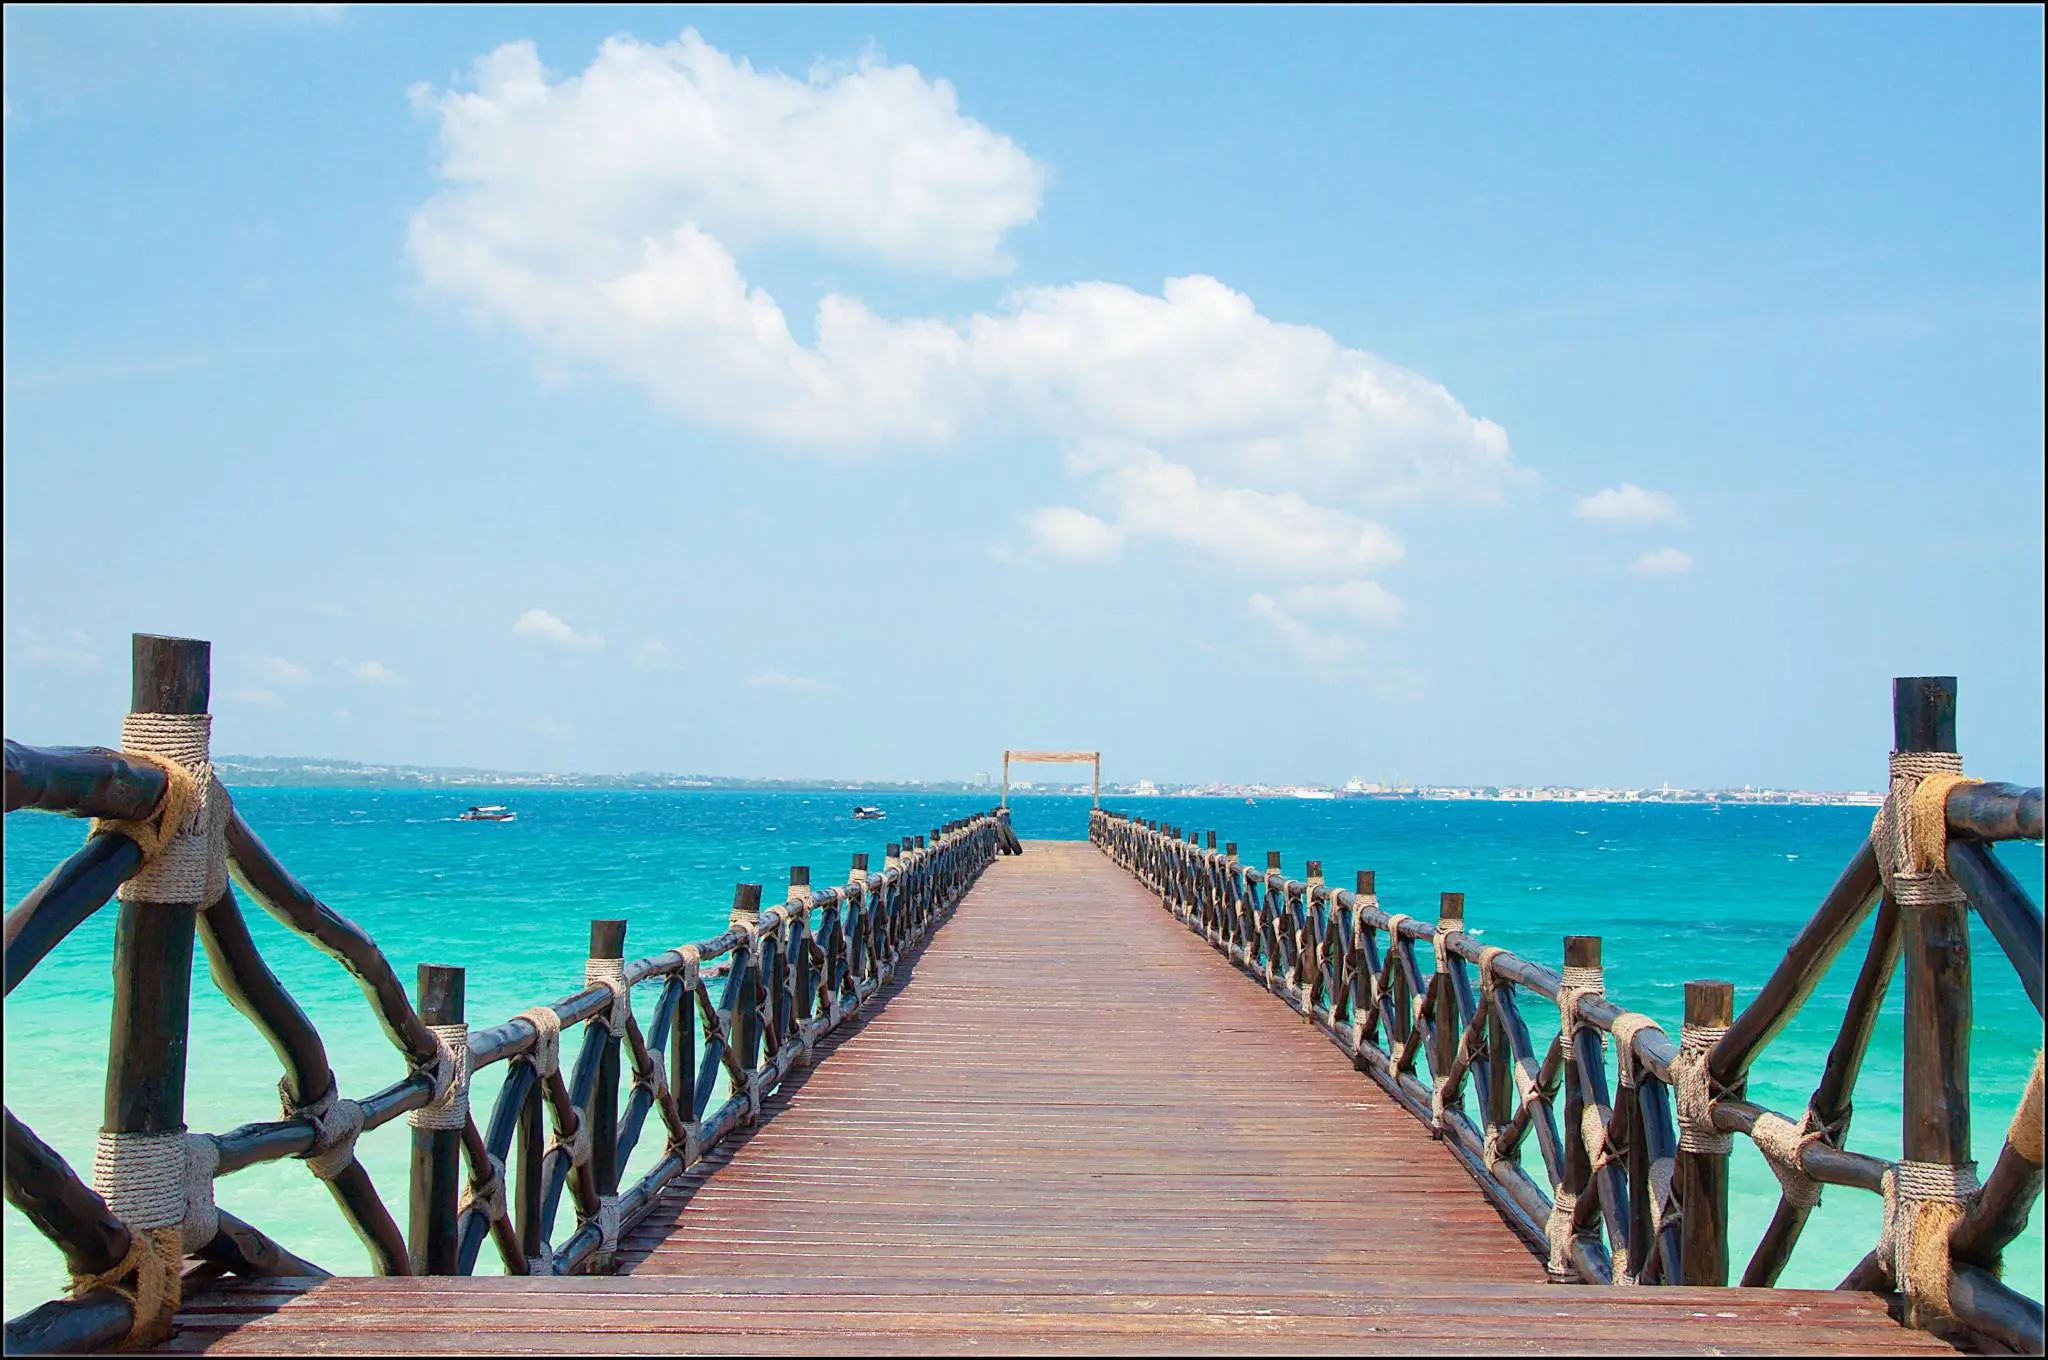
[(1676, 891)]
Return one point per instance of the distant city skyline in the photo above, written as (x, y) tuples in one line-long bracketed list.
[(1580, 397)]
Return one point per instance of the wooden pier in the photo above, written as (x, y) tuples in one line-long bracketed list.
[(1128, 1094), (1064, 1128)]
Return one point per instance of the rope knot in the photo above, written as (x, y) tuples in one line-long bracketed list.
[(611, 974), (1910, 832), (449, 1107), (337, 1123), (1781, 1142), (486, 1196), (546, 1054), (184, 838), (1692, 1084), (1558, 1228)]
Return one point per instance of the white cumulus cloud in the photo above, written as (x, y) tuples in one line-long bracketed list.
[(603, 216), (372, 673), (1626, 504), (1366, 601), (1071, 535), (1663, 562), (653, 654), (545, 627)]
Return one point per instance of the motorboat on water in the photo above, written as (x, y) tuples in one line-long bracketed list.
[(495, 812), (868, 814)]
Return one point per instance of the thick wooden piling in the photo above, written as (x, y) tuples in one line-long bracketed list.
[(432, 1241)]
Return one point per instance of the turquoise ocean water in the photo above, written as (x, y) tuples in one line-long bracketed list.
[(1677, 892)]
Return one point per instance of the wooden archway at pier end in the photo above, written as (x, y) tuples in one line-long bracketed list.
[(1054, 758)]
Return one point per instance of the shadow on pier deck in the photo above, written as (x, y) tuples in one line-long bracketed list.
[(1069, 1128)]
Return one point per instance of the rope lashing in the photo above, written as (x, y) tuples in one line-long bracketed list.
[(337, 1123), (576, 1144), (2025, 1131), (1558, 1228), (1578, 982), (1692, 1085), (1593, 1133), (1923, 1201), (1780, 1140), (202, 1216), (142, 1177), (1492, 1151), (546, 1056), (608, 1223), (150, 1277), (184, 839), (488, 1195), (543, 1264), (1487, 981), (1910, 832), (611, 974), (1627, 1026), (449, 1109)]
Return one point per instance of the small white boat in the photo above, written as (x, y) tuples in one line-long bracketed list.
[(495, 812), (868, 814)]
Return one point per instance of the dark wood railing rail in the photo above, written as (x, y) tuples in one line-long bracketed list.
[(1626, 1195), (785, 976)]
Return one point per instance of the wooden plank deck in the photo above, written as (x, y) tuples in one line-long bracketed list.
[(1069, 1127)]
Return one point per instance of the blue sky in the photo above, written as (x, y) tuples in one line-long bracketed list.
[(1475, 396)]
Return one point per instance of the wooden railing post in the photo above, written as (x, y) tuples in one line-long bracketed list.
[(1937, 969), (1450, 913), (436, 1149), (1701, 1175), (146, 1050), (607, 958)]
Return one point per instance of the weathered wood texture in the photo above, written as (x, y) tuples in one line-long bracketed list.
[(1067, 1127)]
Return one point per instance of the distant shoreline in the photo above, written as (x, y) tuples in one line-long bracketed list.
[(312, 772)]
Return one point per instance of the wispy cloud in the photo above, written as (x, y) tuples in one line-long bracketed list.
[(654, 655), (279, 671), (1663, 562), (773, 679), (74, 654), (1069, 535), (1627, 504), (258, 698), (372, 673), (545, 627)]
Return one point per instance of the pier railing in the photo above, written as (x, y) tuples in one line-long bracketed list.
[(168, 840), (1633, 1141)]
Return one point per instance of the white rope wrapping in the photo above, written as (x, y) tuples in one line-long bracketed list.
[(337, 1123), (1913, 874), (1693, 1088), (1627, 1026), (449, 1109), (1487, 981), (1578, 982), (141, 1176), (1492, 1150), (1620, 1274), (1437, 1114), (1593, 1134), (543, 1264), (576, 1145), (1558, 1228), (1526, 1089), (489, 1197), (608, 1223), (1913, 1190), (611, 973), (202, 1215), (1780, 1140), (546, 1056), (192, 865)]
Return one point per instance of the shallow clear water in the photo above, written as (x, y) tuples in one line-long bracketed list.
[(1676, 892)]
